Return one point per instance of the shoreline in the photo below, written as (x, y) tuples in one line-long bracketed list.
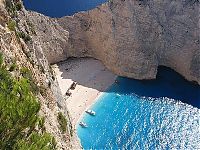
[(92, 79), (90, 105), (76, 140)]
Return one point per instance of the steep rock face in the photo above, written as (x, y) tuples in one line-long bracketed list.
[(131, 37), (31, 56)]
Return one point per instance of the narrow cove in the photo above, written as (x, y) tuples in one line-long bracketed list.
[(137, 114), (132, 114)]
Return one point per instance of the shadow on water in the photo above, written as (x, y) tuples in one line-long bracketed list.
[(167, 84)]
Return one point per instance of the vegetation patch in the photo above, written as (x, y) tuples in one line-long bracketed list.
[(41, 122), (31, 27), (62, 122), (24, 36), (12, 6), (43, 91), (11, 25), (13, 67), (19, 114), (18, 6), (26, 73)]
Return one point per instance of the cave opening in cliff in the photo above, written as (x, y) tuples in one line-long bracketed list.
[(91, 73), (168, 83)]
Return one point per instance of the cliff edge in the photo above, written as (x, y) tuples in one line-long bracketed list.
[(131, 37), (23, 58)]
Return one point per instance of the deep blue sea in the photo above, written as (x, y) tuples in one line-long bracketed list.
[(60, 8), (161, 114)]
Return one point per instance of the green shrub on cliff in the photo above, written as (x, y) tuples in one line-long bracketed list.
[(62, 122), (11, 25), (1, 59), (36, 142), (19, 115), (10, 6), (24, 36), (13, 67), (28, 75), (18, 6)]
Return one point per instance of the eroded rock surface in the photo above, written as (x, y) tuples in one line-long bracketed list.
[(30, 55), (131, 37)]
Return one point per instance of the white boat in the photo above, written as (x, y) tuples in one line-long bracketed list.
[(118, 94), (82, 124), (91, 112)]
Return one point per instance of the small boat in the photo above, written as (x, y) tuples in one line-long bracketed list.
[(116, 81), (68, 93), (73, 86), (91, 112), (82, 124), (118, 94)]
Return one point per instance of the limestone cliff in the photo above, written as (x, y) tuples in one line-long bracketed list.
[(17, 46), (131, 37)]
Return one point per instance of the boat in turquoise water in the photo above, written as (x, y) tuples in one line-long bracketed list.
[(153, 114), (91, 112), (82, 124), (145, 115)]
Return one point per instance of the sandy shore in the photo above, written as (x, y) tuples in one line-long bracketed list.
[(92, 78)]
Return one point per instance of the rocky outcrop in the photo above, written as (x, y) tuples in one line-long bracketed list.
[(30, 55), (131, 37)]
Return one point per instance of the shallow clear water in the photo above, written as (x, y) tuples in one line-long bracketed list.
[(136, 114), (145, 115), (60, 8)]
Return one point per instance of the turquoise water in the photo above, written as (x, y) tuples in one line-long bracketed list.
[(55, 8), (145, 115), (136, 114)]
